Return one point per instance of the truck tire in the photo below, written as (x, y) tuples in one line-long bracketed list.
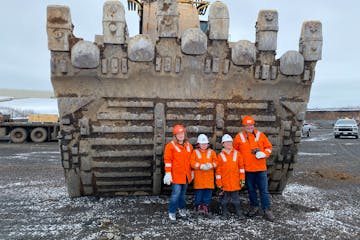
[(18, 135), (38, 135)]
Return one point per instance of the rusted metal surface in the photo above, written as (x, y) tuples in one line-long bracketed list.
[(119, 110)]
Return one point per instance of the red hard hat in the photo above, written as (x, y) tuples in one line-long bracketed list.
[(248, 120), (178, 129)]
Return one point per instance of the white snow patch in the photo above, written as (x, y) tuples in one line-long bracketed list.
[(350, 144), (328, 218), (302, 194), (154, 200), (330, 214), (319, 138), (48, 212), (315, 154), (31, 154), (50, 152), (21, 184)]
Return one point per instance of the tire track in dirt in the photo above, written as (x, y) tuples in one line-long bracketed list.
[(347, 150)]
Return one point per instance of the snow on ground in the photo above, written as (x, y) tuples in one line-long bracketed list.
[(45, 211), (51, 156), (350, 144), (318, 138), (323, 213), (40, 208), (31, 154), (315, 154)]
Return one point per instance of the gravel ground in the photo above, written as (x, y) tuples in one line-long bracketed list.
[(321, 201)]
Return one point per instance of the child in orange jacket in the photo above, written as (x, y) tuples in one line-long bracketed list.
[(177, 171), (230, 175), (203, 161)]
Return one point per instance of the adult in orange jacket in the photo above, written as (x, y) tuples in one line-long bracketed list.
[(230, 175), (177, 170), (203, 161), (255, 149)]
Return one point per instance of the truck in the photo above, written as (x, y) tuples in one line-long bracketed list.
[(346, 127), (306, 130), (36, 128), (119, 96)]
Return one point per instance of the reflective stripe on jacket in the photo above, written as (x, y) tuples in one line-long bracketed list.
[(245, 143), (203, 179), (177, 161), (230, 170)]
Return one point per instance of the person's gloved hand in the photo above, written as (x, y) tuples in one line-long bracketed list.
[(260, 154), (242, 183), (210, 166), (204, 167), (167, 178)]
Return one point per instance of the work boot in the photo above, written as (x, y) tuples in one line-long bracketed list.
[(198, 209), (205, 210), (182, 213), (225, 213), (253, 211), (239, 214), (172, 217), (268, 215)]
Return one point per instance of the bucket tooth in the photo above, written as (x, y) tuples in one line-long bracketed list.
[(59, 27), (114, 23)]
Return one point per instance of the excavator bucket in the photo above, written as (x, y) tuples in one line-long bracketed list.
[(119, 97)]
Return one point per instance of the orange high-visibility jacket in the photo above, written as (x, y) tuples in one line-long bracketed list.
[(177, 161), (230, 170), (244, 143), (203, 179)]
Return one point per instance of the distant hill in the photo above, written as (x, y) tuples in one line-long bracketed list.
[(15, 113), (30, 105), (22, 93)]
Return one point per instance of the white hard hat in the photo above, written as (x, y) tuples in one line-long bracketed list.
[(202, 138), (226, 138)]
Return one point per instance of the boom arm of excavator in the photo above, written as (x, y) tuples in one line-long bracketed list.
[(12, 94)]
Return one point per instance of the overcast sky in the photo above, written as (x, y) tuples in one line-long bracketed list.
[(24, 57)]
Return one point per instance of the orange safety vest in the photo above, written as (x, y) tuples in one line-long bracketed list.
[(244, 143), (230, 170), (203, 179), (177, 161)]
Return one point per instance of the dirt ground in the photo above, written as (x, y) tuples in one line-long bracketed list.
[(321, 201)]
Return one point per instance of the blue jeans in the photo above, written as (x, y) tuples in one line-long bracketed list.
[(254, 181), (203, 196), (233, 196), (177, 198)]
